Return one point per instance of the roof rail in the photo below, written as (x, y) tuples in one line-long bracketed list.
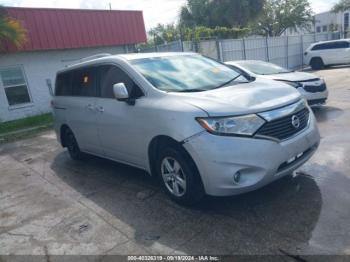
[(94, 57), (85, 59)]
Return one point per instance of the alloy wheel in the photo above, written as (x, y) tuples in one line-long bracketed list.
[(173, 176)]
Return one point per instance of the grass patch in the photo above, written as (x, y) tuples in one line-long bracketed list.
[(23, 135), (30, 122), (25, 128)]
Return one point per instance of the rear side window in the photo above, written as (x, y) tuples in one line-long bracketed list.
[(343, 44), (110, 75), (334, 45), (63, 84), (84, 82)]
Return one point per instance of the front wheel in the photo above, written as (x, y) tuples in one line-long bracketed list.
[(317, 63), (179, 176)]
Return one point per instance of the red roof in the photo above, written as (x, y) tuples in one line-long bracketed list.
[(76, 28)]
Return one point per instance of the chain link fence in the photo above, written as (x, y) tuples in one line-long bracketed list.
[(286, 51)]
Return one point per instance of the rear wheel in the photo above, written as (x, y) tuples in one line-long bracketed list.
[(317, 63), (72, 146), (179, 176)]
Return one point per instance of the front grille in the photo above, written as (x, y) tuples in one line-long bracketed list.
[(283, 128), (315, 89)]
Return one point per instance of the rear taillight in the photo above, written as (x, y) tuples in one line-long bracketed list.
[(52, 104)]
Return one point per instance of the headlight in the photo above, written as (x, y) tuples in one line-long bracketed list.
[(240, 125), (293, 84)]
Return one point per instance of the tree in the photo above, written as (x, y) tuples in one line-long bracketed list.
[(341, 6), (222, 13), (195, 13), (11, 30), (164, 33), (279, 15)]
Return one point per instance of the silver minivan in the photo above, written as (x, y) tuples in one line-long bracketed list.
[(194, 123)]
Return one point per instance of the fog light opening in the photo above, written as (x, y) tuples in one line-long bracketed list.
[(237, 177)]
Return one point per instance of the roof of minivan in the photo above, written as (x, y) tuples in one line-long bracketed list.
[(128, 57), (135, 56)]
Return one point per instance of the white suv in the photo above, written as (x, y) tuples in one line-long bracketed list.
[(328, 53), (196, 124)]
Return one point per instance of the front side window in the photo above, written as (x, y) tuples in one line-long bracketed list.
[(325, 46), (186, 73), (63, 84), (111, 75), (263, 68), (15, 86)]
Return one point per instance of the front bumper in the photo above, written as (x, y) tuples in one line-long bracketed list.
[(318, 96), (258, 161)]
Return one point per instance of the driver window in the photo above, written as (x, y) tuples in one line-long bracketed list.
[(110, 75)]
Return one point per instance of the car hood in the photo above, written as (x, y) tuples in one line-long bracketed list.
[(292, 77), (258, 96)]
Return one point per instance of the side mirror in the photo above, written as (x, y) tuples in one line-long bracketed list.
[(120, 92)]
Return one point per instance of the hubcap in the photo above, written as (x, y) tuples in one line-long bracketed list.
[(173, 176)]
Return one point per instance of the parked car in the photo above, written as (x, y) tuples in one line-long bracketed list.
[(198, 125), (312, 88), (321, 54)]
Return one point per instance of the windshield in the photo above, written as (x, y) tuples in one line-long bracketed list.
[(186, 73), (263, 68)]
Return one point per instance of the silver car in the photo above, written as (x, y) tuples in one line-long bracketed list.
[(197, 125), (311, 87)]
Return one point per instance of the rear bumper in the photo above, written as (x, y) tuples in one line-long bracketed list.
[(259, 162)]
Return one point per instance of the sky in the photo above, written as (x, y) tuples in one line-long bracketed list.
[(154, 11)]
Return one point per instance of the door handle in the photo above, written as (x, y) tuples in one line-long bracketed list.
[(100, 109)]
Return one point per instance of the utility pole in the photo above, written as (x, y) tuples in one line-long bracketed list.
[(110, 6)]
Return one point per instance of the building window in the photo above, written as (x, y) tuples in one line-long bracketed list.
[(324, 28), (15, 86), (346, 21), (318, 29)]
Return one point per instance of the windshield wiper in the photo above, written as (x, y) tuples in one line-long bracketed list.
[(224, 84), (191, 90), (285, 72)]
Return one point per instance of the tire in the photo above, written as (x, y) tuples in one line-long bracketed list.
[(317, 63), (179, 176), (72, 146)]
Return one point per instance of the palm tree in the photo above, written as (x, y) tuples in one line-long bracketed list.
[(11, 30), (341, 6)]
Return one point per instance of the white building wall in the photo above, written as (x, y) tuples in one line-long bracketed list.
[(322, 20), (327, 19), (38, 67)]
